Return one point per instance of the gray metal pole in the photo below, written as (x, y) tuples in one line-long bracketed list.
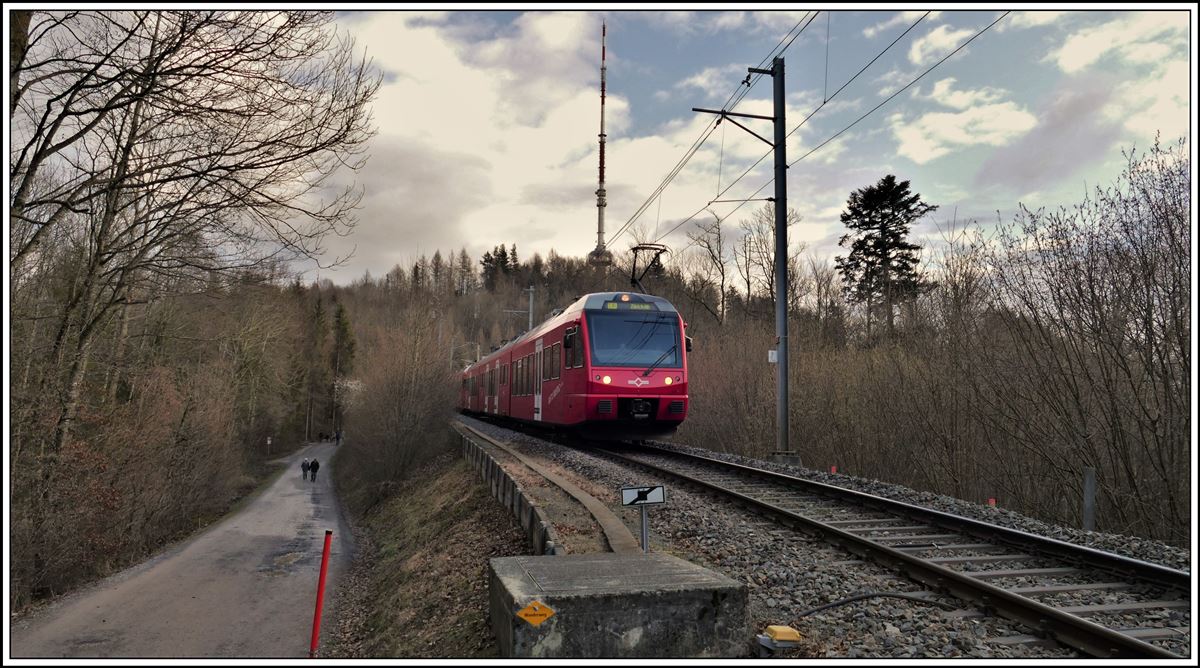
[(781, 324), (531, 308), (645, 532), (1089, 499)]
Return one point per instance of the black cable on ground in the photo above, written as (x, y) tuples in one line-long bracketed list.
[(876, 594)]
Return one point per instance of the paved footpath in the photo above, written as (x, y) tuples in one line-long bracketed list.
[(244, 587)]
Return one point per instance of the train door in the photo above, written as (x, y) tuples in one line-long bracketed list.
[(537, 381), (491, 390)]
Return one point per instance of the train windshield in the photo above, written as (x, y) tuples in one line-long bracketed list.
[(635, 339)]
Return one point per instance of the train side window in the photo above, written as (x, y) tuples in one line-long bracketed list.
[(578, 348), (557, 357)]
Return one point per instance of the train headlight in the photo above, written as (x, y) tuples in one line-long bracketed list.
[(667, 380), (607, 380)]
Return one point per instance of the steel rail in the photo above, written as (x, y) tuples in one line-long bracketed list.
[(1089, 637)]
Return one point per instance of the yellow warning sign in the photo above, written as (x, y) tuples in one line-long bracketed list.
[(535, 613)]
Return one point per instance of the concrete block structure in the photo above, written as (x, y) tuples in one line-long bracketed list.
[(615, 606)]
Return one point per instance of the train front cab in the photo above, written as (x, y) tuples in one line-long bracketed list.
[(633, 351)]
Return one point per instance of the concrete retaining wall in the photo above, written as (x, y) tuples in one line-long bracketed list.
[(540, 532)]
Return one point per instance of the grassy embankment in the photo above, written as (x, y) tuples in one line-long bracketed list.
[(419, 588)]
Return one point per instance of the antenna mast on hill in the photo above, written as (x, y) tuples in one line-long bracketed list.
[(601, 257)]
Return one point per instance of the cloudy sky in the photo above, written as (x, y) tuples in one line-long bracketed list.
[(488, 120)]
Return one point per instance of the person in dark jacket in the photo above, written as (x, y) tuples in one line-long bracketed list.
[(304, 466), (312, 468)]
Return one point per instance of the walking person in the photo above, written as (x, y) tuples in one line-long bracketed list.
[(312, 468), (304, 466), (339, 437)]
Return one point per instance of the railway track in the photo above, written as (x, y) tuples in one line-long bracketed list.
[(1019, 576)]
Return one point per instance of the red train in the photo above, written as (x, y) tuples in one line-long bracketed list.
[(612, 365)]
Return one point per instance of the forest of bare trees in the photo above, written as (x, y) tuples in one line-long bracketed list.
[(168, 167), (165, 167)]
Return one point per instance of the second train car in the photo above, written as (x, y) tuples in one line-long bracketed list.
[(612, 365)]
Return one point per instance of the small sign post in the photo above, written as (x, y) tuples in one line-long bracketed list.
[(649, 495)]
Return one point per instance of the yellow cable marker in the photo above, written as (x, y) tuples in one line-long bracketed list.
[(783, 634)]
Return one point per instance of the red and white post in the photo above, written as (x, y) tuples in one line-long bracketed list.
[(316, 629)]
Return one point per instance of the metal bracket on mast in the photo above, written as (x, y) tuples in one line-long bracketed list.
[(729, 114)]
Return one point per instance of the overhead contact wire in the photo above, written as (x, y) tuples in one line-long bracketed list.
[(739, 93), (843, 130)]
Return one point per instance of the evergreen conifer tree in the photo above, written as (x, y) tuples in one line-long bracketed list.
[(881, 269)]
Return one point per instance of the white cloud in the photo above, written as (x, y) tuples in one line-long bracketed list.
[(900, 19), (944, 93), (1139, 37), (935, 134), (892, 80), (1033, 19), (677, 22), (714, 81), (728, 21), (1156, 103), (709, 23), (1154, 44), (936, 44)]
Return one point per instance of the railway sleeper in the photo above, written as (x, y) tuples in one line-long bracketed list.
[(1140, 633), (982, 559), (949, 547), (1083, 586), (1022, 573), (889, 540), (890, 529), (1090, 610)]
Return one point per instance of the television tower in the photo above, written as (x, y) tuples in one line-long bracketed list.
[(601, 257)]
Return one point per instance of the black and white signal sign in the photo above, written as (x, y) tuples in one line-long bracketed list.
[(643, 496)]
